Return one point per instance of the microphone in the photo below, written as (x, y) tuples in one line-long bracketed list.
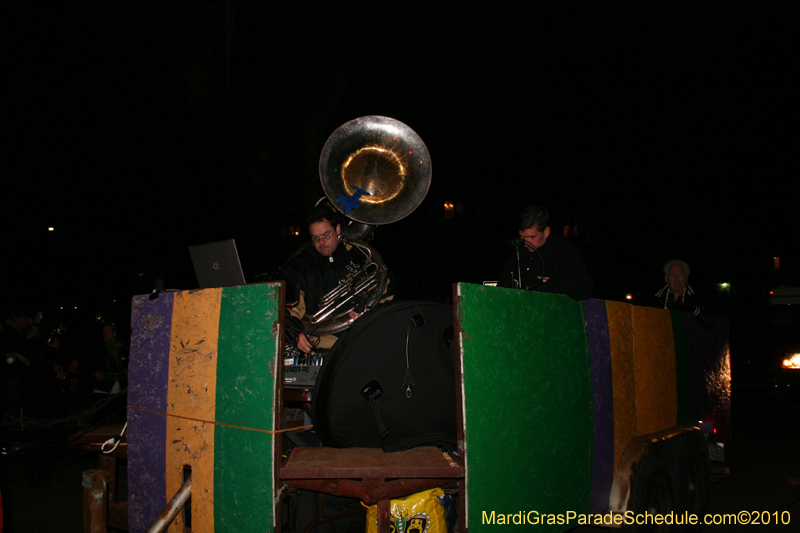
[(516, 241)]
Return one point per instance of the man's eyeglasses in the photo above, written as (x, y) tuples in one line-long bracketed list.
[(325, 237)]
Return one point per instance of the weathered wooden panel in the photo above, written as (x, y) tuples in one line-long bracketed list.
[(527, 403), (623, 377), (245, 408), (603, 402), (191, 397), (151, 324), (203, 396), (682, 374), (654, 366)]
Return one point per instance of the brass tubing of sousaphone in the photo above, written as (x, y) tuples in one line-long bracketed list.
[(333, 316), (382, 156)]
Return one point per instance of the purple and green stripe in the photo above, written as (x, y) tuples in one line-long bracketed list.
[(202, 396)]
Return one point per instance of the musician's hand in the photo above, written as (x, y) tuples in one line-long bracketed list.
[(354, 316), (303, 344)]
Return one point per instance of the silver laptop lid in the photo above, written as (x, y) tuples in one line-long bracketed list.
[(217, 264)]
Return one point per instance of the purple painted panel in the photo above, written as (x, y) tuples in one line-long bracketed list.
[(147, 389), (603, 403), (147, 483), (148, 368), (710, 375)]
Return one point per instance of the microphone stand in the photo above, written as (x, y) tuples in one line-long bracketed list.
[(518, 281)]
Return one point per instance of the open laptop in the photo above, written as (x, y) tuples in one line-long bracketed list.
[(217, 264)]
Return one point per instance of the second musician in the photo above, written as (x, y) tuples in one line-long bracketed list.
[(547, 263)]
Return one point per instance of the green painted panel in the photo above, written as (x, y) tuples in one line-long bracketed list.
[(527, 404), (243, 470), (681, 368)]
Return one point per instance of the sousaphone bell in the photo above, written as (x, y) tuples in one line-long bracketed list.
[(379, 155)]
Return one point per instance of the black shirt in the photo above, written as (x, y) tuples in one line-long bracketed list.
[(557, 268), (317, 275)]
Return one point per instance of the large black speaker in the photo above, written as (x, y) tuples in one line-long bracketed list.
[(389, 382)]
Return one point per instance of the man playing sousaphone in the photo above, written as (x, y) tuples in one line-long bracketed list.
[(319, 269), (375, 170)]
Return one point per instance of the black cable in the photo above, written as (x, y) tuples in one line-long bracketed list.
[(519, 270)]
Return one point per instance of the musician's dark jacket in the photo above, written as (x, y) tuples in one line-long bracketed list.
[(317, 275), (563, 272)]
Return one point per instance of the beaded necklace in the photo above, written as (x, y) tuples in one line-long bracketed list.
[(666, 300)]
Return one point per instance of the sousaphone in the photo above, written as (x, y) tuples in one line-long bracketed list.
[(375, 170)]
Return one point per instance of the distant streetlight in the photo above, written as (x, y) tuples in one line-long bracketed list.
[(629, 296), (51, 228)]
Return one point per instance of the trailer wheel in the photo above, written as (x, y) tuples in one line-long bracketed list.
[(690, 478), (651, 494)]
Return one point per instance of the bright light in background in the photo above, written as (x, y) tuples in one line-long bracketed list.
[(629, 296), (51, 228), (793, 361), (725, 286)]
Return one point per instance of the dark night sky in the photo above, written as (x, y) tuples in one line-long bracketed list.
[(139, 128)]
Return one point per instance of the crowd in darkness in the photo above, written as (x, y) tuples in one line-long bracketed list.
[(56, 381)]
